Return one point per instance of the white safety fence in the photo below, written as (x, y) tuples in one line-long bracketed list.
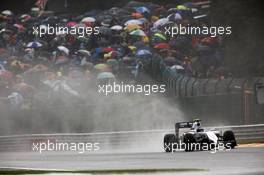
[(123, 141)]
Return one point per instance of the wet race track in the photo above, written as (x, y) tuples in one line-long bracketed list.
[(245, 160)]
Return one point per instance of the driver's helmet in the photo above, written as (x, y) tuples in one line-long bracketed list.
[(197, 121)]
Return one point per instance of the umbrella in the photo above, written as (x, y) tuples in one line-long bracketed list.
[(102, 67), (142, 9), (84, 52), (115, 10), (160, 22), (105, 75), (143, 52), (7, 13), (162, 46), (64, 49), (131, 27), (138, 32), (19, 27), (137, 15), (88, 19), (127, 59), (34, 44), (71, 24), (24, 17), (117, 27), (112, 62), (83, 39), (105, 30), (80, 25), (170, 61), (108, 49), (159, 35), (133, 21), (178, 67), (106, 22), (182, 7), (175, 16)]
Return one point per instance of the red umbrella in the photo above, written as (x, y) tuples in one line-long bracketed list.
[(108, 49), (71, 24), (19, 27), (162, 46)]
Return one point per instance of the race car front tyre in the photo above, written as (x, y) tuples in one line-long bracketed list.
[(168, 141), (229, 139)]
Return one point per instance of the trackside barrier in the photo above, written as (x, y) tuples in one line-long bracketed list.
[(123, 141)]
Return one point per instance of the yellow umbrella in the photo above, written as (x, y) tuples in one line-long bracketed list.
[(182, 7), (131, 27)]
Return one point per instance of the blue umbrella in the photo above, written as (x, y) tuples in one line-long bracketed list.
[(142, 9)]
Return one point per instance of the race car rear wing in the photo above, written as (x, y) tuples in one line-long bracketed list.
[(181, 125)]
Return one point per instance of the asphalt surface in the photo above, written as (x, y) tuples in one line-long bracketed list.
[(238, 161)]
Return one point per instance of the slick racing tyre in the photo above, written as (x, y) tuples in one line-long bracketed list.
[(168, 141), (229, 139)]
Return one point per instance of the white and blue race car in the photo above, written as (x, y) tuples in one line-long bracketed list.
[(198, 138)]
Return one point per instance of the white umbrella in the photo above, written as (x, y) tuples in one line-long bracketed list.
[(88, 19), (133, 21), (7, 13), (137, 32), (117, 27), (64, 49), (105, 75), (178, 67), (25, 16), (35, 9), (175, 16), (160, 22), (85, 52), (143, 52), (34, 44)]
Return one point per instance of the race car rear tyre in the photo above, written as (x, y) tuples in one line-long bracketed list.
[(168, 141), (229, 139), (189, 142)]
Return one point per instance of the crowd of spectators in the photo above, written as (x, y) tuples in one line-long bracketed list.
[(122, 49)]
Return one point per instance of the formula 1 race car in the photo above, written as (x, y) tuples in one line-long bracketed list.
[(198, 138)]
